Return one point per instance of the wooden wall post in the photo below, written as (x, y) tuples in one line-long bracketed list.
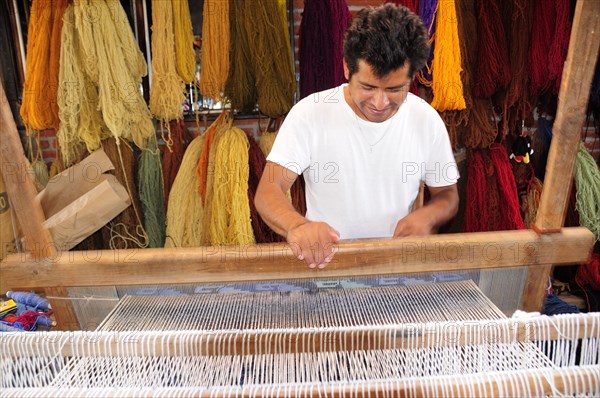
[(570, 116), (18, 177)]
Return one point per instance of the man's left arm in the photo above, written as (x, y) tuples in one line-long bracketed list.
[(442, 206)]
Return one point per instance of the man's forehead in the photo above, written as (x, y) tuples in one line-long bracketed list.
[(397, 77)]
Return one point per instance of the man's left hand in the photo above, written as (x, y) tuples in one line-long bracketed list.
[(414, 224)]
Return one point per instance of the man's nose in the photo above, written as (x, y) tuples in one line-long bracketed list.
[(380, 100)]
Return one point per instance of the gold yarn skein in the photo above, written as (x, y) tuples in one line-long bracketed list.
[(184, 40), (215, 49), (167, 91), (185, 210), (229, 221)]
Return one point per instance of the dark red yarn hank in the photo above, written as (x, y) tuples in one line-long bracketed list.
[(518, 19), (171, 159), (257, 162), (493, 68), (412, 5), (589, 274), (492, 199), (298, 195), (322, 31), (476, 209), (340, 20), (544, 22), (509, 199), (560, 43)]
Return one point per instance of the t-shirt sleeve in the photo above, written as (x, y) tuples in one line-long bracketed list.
[(441, 169), (291, 147)]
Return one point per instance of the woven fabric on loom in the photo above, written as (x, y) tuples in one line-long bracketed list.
[(442, 339)]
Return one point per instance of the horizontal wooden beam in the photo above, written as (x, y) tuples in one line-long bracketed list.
[(275, 261), (127, 343), (549, 381)]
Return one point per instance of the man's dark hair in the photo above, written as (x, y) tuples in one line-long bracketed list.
[(386, 37)]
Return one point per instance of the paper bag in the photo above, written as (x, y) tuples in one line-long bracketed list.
[(81, 200)]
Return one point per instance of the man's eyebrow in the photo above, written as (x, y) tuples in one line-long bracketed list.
[(387, 88), (367, 85)]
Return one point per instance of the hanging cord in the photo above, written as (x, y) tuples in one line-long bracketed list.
[(139, 229)]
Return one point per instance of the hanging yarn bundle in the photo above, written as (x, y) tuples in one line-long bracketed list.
[(150, 187), (78, 103), (271, 57), (39, 109), (108, 60), (587, 182), (476, 209), (323, 22), (173, 154), (427, 10), (185, 210), (58, 12), (509, 204), (126, 230), (446, 65), (134, 59), (479, 130), (215, 48), (184, 40), (229, 221), (167, 90), (257, 162), (283, 17), (203, 167), (493, 196), (315, 27), (518, 105), (544, 23), (588, 274), (210, 179), (492, 199), (560, 43), (493, 70), (240, 87), (266, 141)]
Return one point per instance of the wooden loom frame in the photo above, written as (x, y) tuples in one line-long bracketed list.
[(548, 245)]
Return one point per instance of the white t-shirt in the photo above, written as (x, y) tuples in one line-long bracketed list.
[(362, 177)]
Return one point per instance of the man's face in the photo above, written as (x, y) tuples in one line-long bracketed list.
[(377, 99)]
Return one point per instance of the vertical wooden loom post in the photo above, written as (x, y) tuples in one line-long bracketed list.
[(570, 116), (20, 187), (17, 175)]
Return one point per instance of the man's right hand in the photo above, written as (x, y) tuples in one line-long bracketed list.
[(313, 242)]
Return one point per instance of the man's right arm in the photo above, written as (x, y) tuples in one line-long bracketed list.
[(310, 241)]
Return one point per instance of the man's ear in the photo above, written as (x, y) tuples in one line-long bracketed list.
[(346, 69)]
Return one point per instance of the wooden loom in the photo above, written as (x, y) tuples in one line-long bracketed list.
[(548, 244)]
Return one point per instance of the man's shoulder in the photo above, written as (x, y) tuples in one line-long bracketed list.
[(421, 111), (418, 103)]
